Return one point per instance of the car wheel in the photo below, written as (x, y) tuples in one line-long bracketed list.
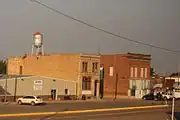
[(19, 102), (155, 99), (32, 103), (165, 98)]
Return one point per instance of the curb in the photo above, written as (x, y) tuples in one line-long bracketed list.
[(81, 111), (52, 102)]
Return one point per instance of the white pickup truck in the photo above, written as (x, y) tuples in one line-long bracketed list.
[(167, 96)]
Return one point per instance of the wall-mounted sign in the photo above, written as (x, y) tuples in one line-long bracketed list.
[(38, 84), (86, 92)]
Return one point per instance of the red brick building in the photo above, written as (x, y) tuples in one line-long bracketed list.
[(126, 74)]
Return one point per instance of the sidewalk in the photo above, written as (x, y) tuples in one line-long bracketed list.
[(106, 98), (75, 101), (120, 97), (63, 101)]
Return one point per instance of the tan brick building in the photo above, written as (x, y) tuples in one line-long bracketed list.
[(129, 73), (80, 68)]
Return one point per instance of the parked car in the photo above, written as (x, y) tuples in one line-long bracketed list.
[(167, 96), (158, 96), (32, 100), (148, 96), (151, 96)]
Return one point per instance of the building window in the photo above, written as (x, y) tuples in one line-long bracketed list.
[(143, 84), (135, 71), (86, 83), (20, 70), (111, 71), (142, 72), (84, 66), (132, 72), (148, 84), (145, 72), (130, 84), (95, 67)]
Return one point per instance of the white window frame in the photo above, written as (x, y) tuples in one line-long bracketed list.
[(142, 72), (132, 72), (145, 73), (135, 72)]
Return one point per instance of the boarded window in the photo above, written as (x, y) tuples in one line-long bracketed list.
[(20, 70)]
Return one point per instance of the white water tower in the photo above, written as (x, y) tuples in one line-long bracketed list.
[(37, 45)]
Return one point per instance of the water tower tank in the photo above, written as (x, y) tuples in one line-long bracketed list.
[(37, 39)]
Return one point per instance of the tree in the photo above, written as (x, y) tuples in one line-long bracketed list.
[(3, 66), (152, 72), (174, 74)]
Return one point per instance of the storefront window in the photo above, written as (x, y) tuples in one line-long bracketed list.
[(86, 83)]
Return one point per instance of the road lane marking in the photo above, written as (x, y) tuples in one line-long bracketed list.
[(76, 116), (80, 111)]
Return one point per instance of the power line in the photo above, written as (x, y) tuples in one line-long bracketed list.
[(100, 29)]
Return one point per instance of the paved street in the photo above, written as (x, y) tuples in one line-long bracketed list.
[(148, 114), (56, 107), (138, 114)]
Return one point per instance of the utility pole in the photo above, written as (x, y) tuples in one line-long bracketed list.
[(115, 95), (101, 92), (172, 114), (5, 93), (115, 71), (15, 89)]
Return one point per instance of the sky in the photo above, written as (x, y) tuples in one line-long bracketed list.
[(154, 22)]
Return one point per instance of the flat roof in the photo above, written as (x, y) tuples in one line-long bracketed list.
[(14, 76)]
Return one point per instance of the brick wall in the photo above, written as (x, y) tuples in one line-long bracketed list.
[(121, 65), (65, 66)]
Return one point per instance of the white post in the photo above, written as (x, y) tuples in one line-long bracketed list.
[(172, 116), (5, 98)]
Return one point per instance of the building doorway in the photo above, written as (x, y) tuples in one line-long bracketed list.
[(53, 94), (133, 91), (95, 88)]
